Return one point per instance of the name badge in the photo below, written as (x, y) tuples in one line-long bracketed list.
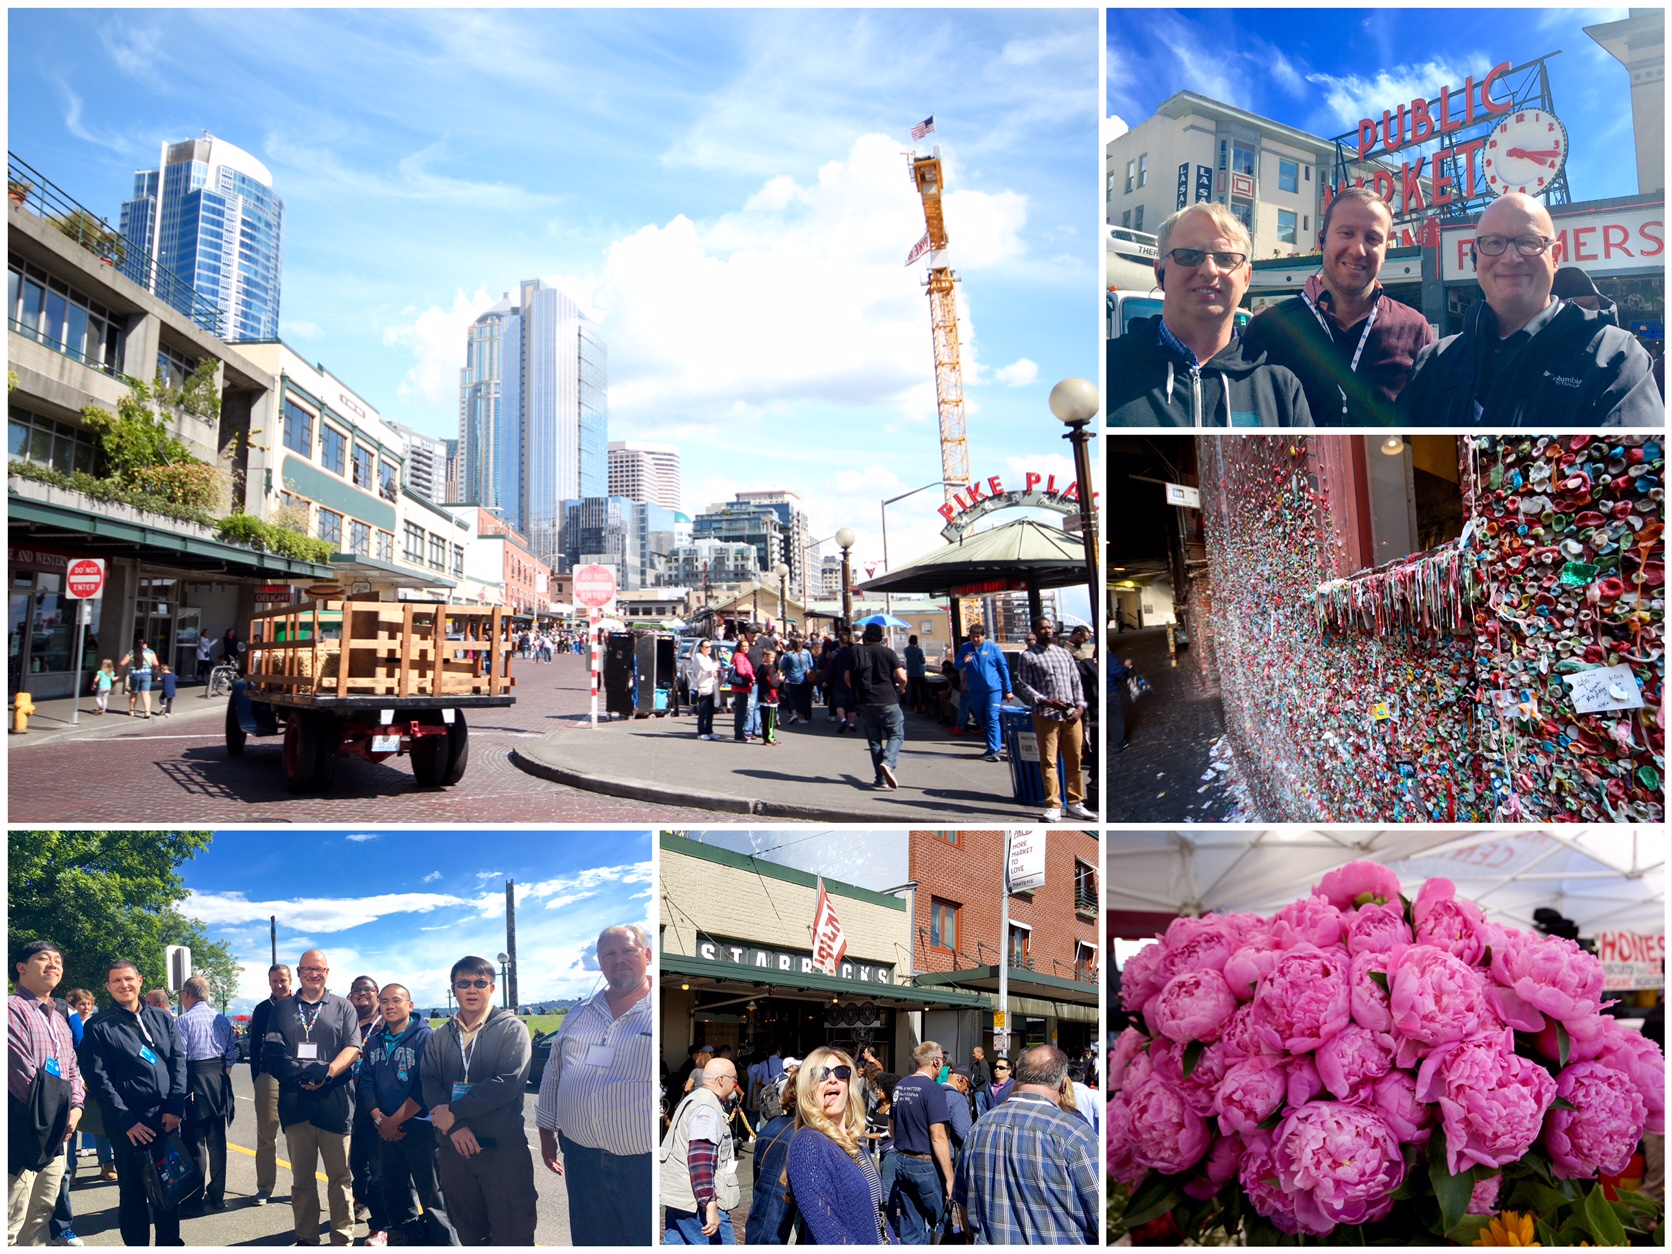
[(51, 1066), (600, 1055), (147, 1055), (307, 1051), (460, 1088)]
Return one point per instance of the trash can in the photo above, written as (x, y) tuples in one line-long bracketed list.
[(1027, 784), (618, 676), (655, 657)]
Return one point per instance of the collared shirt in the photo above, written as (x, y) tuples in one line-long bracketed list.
[(1501, 350), (1029, 1176), (204, 1035), (35, 1032), (596, 1089), (1177, 347), (1048, 672)]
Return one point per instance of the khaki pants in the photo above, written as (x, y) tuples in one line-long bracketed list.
[(30, 1197), (308, 1146), (266, 1133), (1056, 736)]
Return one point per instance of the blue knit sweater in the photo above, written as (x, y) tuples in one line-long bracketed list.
[(830, 1191)]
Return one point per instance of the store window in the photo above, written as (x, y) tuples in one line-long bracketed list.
[(362, 466), (438, 553), (53, 313), (333, 448), (331, 526), (1085, 885), (298, 429), (413, 549), (359, 537), (387, 486), (1021, 946), (154, 609), (458, 561), (383, 546), (1288, 176), (943, 924), (32, 438), (1285, 226)]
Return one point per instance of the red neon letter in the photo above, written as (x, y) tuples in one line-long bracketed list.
[(974, 491), (1383, 184), (1366, 137), (1579, 253), (1395, 136), (1051, 485), (1422, 125), (1446, 123), (946, 511), (1411, 180), (1614, 236), (1469, 100), (1030, 481), (1442, 187), (1469, 150), (994, 487), (1492, 76), (1647, 231), (1073, 492)]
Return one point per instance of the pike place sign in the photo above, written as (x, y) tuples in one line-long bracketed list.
[(770, 962)]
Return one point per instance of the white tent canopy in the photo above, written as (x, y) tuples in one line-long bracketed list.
[(1600, 877)]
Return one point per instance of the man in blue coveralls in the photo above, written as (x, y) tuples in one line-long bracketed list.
[(987, 679)]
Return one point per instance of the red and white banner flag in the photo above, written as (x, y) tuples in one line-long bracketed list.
[(830, 943), (918, 249)]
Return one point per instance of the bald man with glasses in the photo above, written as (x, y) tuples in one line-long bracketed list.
[(1526, 358), (699, 1164)]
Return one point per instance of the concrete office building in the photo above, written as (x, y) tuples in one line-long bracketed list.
[(792, 524), (742, 522), (426, 463), (645, 472)]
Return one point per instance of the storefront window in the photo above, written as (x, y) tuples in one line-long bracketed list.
[(359, 537), (438, 553), (331, 525), (333, 448), (298, 429), (414, 546), (943, 924), (384, 546), (154, 609)]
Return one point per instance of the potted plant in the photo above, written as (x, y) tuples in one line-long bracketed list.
[(19, 189)]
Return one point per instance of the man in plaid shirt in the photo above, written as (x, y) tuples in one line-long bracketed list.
[(37, 1039), (1029, 1171), (1048, 679)]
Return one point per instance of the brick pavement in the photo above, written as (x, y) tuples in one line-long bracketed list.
[(1170, 735), (118, 770)]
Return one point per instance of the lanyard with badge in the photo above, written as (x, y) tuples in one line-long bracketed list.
[(461, 1087), (307, 1050), (145, 1051), (1357, 352)]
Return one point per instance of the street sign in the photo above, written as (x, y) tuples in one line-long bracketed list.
[(1178, 494), (1001, 1042), (999, 1024), (594, 586), (1027, 860), (84, 578)]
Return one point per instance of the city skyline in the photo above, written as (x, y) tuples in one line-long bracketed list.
[(739, 226)]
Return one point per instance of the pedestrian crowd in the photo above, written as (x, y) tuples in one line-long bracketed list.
[(847, 1153), (542, 644), (418, 1130), (1542, 349), (774, 681)]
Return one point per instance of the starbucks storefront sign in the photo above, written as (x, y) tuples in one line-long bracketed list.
[(789, 962)]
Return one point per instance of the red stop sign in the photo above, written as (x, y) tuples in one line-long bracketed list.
[(85, 577), (594, 586)]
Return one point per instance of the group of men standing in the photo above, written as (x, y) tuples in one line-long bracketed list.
[(1543, 350), (418, 1130)]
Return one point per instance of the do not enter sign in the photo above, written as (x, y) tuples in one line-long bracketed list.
[(84, 578), (594, 586)]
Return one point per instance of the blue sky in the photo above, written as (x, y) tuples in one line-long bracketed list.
[(725, 189), (874, 860), (403, 906), (1323, 69)]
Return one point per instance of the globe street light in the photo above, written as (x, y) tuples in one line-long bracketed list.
[(782, 570), (845, 539), (1075, 403)]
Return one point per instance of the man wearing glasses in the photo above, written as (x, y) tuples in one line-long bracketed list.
[(1524, 357), (474, 1071), (1351, 345), (699, 1165), (1187, 366), (312, 1041)]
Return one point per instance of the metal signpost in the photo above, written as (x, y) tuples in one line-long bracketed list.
[(594, 587), (84, 581)]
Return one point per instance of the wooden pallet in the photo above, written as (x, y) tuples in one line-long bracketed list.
[(379, 648)]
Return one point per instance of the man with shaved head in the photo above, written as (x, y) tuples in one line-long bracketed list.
[(312, 1042), (1526, 358), (595, 1097), (411, 1201)]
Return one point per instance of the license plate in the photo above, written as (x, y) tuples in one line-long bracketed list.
[(386, 744)]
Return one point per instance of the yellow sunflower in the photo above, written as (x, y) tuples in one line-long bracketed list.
[(1509, 1228)]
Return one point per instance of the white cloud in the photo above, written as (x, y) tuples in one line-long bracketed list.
[(1018, 374), (1351, 97), (436, 337), (1112, 128), (432, 877), (322, 914), (74, 124), (361, 838), (1286, 76), (488, 875), (302, 330)]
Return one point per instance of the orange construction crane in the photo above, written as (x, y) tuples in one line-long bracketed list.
[(943, 325)]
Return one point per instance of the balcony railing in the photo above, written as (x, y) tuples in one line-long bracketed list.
[(31, 189), (40, 337)]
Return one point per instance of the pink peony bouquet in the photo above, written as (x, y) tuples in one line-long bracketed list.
[(1363, 1061)]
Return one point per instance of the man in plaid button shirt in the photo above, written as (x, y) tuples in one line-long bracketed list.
[(37, 1039), (1048, 679)]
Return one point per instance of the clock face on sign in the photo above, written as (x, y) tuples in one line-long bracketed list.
[(1526, 152)]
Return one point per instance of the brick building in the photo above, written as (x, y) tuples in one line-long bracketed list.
[(735, 954), (1052, 949)]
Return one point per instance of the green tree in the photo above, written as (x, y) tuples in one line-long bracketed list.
[(102, 895)]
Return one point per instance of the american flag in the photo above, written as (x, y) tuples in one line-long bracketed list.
[(925, 127), (918, 249), (830, 943)]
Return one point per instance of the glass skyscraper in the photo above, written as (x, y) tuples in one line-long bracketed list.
[(209, 215), (534, 412)]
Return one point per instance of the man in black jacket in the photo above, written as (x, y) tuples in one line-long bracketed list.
[(136, 1071), (266, 1086), (312, 1042), (1525, 358)]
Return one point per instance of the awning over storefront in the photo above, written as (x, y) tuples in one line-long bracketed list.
[(98, 535), (349, 566), (703, 972), (1029, 992), (1042, 555)]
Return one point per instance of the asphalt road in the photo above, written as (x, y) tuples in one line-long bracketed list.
[(121, 770), (243, 1223)]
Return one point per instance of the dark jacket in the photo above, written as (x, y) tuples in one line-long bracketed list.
[(499, 1061), (336, 1027), (1148, 386), (1290, 336), (128, 1088), (770, 1212), (1579, 371), (388, 1077), (258, 1035)]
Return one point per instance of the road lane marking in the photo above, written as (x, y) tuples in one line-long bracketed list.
[(318, 1175)]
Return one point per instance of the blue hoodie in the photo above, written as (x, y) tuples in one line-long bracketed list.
[(390, 1067)]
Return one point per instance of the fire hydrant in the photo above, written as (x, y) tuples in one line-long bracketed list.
[(22, 708)]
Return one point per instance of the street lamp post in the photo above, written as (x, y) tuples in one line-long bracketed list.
[(1075, 403), (504, 981), (845, 539), (782, 570)]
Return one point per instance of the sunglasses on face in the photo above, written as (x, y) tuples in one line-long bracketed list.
[(820, 1074), (1001, 1067), (1191, 257), (472, 983)]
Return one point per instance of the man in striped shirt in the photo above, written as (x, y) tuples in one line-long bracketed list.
[(1048, 679), (595, 1099), (1029, 1172), (38, 1041), (211, 1053)]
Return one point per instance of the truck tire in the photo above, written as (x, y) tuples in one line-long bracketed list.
[(301, 753), (458, 750), (439, 761), (328, 739), (235, 735)]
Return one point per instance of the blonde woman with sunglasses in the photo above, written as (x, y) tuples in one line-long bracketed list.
[(831, 1178)]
